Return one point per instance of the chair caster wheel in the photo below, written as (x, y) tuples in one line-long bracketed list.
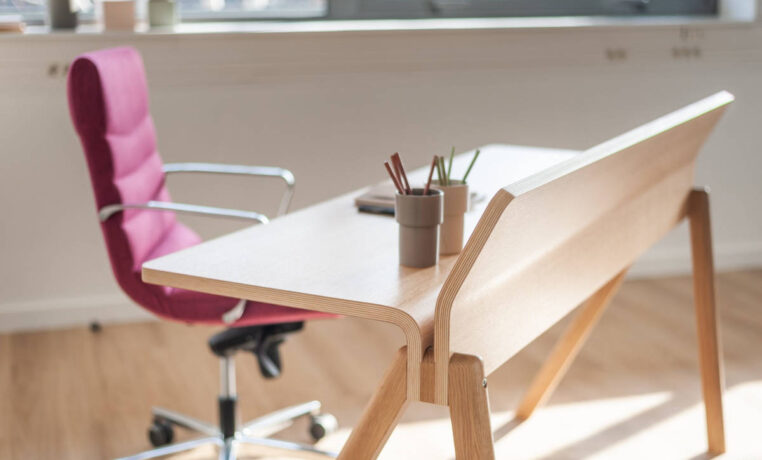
[(322, 425), (161, 432)]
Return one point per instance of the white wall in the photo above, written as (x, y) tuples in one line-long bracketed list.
[(330, 105)]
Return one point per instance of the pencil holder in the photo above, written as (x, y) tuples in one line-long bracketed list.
[(456, 203), (419, 217)]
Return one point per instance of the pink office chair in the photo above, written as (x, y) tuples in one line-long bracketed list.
[(108, 100)]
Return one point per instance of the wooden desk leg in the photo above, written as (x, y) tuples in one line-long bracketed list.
[(381, 414), (568, 346), (706, 318), (469, 409)]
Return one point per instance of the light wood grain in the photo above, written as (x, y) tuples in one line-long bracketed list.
[(331, 258), (634, 384), (6, 418), (546, 243), (567, 348), (542, 245), (381, 415), (710, 354), (469, 409)]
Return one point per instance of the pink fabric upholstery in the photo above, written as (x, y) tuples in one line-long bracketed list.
[(108, 101)]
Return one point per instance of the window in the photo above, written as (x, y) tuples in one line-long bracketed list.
[(245, 9), (22, 7), (400, 9), (195, 10), (34, 10)]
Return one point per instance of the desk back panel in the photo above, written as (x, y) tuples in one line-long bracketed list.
[(548, 242)]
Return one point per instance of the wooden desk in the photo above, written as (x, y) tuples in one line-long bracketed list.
[(562, 233), (330, 257)]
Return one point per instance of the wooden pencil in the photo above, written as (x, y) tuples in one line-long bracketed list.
[(394, 178), (398, 173), (431, 175), (403, 177)]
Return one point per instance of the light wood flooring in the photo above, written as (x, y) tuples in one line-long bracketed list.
[(634, 391)]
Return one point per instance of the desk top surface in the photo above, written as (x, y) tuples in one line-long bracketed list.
[(330, 257)]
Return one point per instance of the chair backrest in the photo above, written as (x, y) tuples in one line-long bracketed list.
[(546, 243), (108, 101)]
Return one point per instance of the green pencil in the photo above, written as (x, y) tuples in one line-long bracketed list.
[(449, 167), (473, 160)]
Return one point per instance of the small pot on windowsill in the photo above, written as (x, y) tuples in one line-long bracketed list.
[(162, 13), (62, 14), (118, 15)]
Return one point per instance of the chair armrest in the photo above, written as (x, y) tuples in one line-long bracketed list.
[(258, 171), (109, 210)]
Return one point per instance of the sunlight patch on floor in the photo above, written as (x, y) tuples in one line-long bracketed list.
[(630, 427)]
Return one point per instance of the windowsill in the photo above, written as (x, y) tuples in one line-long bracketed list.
[(314, 26)]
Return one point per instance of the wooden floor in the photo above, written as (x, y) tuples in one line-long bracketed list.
[(633, 392)]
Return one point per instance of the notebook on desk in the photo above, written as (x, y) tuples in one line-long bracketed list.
[(379, 199)]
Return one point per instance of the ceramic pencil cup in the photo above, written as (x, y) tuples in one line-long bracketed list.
[(456, 203), (419, 217)]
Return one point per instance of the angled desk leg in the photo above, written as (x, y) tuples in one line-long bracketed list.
[(468, 401), (568, 346), (469, 409), (706, 318), (381, 415)]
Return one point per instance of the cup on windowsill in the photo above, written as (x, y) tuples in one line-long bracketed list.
[(62, 14), (419, 218), (162, 13), (456, 203), (119, 15)]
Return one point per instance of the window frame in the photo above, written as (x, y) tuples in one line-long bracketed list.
[(407, 9)]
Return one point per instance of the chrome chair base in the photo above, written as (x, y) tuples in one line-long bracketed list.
[(252, 434), (228, 436)]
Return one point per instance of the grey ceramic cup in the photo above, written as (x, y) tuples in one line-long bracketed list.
[(61, 15), (419, 217), (456, 203)]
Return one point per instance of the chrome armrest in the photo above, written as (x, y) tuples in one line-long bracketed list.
[(260, 171), (109, 210)]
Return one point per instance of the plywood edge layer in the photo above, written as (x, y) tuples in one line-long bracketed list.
[(452, 285), (400, 318)]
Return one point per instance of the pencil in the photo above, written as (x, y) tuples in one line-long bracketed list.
[(473, 160), (449, 166), (396, 168), (394, 178), (443, 179), (401, 171), (431, 174)]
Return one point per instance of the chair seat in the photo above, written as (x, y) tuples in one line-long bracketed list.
[(196, 307), (265, 313)]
